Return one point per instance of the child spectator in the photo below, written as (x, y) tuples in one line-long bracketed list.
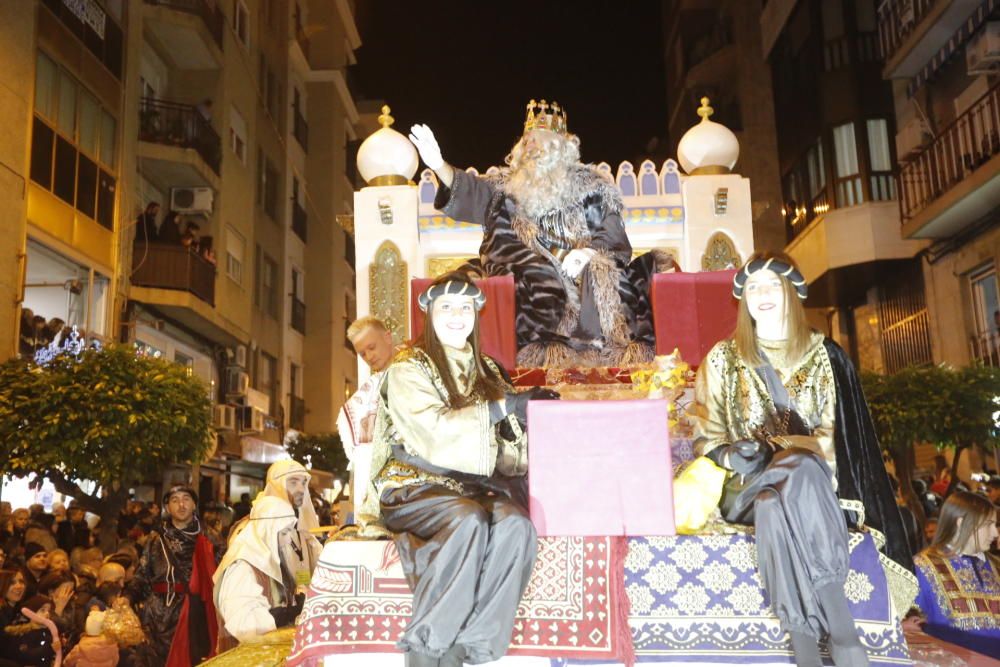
[(95, 648), (29, 643)]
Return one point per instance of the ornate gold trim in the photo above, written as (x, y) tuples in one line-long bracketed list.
[(387, 290), (710, 170), (389, 179)]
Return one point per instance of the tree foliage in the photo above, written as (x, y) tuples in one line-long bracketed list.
[(323, 451), (107, 416), (948, 407)]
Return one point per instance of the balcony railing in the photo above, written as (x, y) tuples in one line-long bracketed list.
[(984, 347), (298, 315), (95, 29), (211, 15), (300, 128), (957, 151), (896, 20), (182, 125), (299, 220), (169, 266), (297, 410)]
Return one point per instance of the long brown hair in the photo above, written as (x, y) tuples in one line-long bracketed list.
[(799, 331), (973, 509), (487, 386), (6, 581)]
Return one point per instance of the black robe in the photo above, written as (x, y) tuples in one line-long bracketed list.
[(604, 317), (861, 473)]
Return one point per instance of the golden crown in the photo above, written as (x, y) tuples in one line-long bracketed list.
[(545, 116)]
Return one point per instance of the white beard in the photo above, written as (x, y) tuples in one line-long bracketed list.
[(540, 184)]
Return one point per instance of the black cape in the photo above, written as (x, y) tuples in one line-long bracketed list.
[(861, 473)]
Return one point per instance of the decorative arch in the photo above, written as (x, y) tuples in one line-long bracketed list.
[(387, 290), (720, 254), (626, 179), (648, 181)]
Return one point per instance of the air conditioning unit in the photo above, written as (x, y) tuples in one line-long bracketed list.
[(224, 418), (252, 420), (192, 200), (913, 136), (258, 400), (982, 52), (241, 356), (237, 381)]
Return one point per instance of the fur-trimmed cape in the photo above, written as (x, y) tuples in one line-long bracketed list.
[(603, 318)]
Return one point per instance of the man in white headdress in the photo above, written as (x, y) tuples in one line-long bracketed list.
[(288, 481), (255, 589)]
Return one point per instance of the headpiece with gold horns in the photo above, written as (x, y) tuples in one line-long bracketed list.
[(545, 116)]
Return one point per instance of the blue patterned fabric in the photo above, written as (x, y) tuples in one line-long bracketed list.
[(698, 598)]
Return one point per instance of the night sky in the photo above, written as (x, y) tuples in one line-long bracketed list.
[(467, 69)]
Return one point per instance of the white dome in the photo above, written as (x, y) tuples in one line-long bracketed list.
[(708, 147), (387, 157)]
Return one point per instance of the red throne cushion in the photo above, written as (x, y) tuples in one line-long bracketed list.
[(497, 336), (692, 312)]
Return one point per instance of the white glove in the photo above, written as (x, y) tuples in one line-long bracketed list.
[(576, 261), (422, 137)]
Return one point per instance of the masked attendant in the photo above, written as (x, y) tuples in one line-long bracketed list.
[(556, 225), (174, 585), (443, 484), (255, 590), (288, 481), (781, 407)]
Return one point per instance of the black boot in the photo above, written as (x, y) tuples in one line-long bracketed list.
[(845, 647), (806, 650), (454, 657), (414, 659)]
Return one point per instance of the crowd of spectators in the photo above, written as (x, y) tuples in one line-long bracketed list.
[(953, 534), (174, 229), (52, 564), (37, 332)]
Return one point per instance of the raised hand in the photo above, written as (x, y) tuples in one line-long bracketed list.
[(430, 152)]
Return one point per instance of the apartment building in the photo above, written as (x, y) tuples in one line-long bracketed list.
[(713, 49), (836, 153), (942, 58), (233, 116)]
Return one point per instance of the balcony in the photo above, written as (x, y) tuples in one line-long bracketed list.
[(299, 220), (956, 179), (300, 128), (297, 412), (178, 144), (841, 250), (298, 315), (95, 29), (984, 348), (187, 32), (169, 266), (911, 32)]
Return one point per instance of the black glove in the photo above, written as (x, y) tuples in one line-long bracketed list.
[(517, 403), (285, 616), (746, 457)]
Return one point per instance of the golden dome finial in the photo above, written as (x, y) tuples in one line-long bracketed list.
[(704, 110), (385, 120)]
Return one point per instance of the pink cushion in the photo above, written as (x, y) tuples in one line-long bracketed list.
[(693, 312), (600, 468), (497, 336)]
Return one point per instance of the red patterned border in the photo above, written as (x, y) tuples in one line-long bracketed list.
[(571, 609)]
